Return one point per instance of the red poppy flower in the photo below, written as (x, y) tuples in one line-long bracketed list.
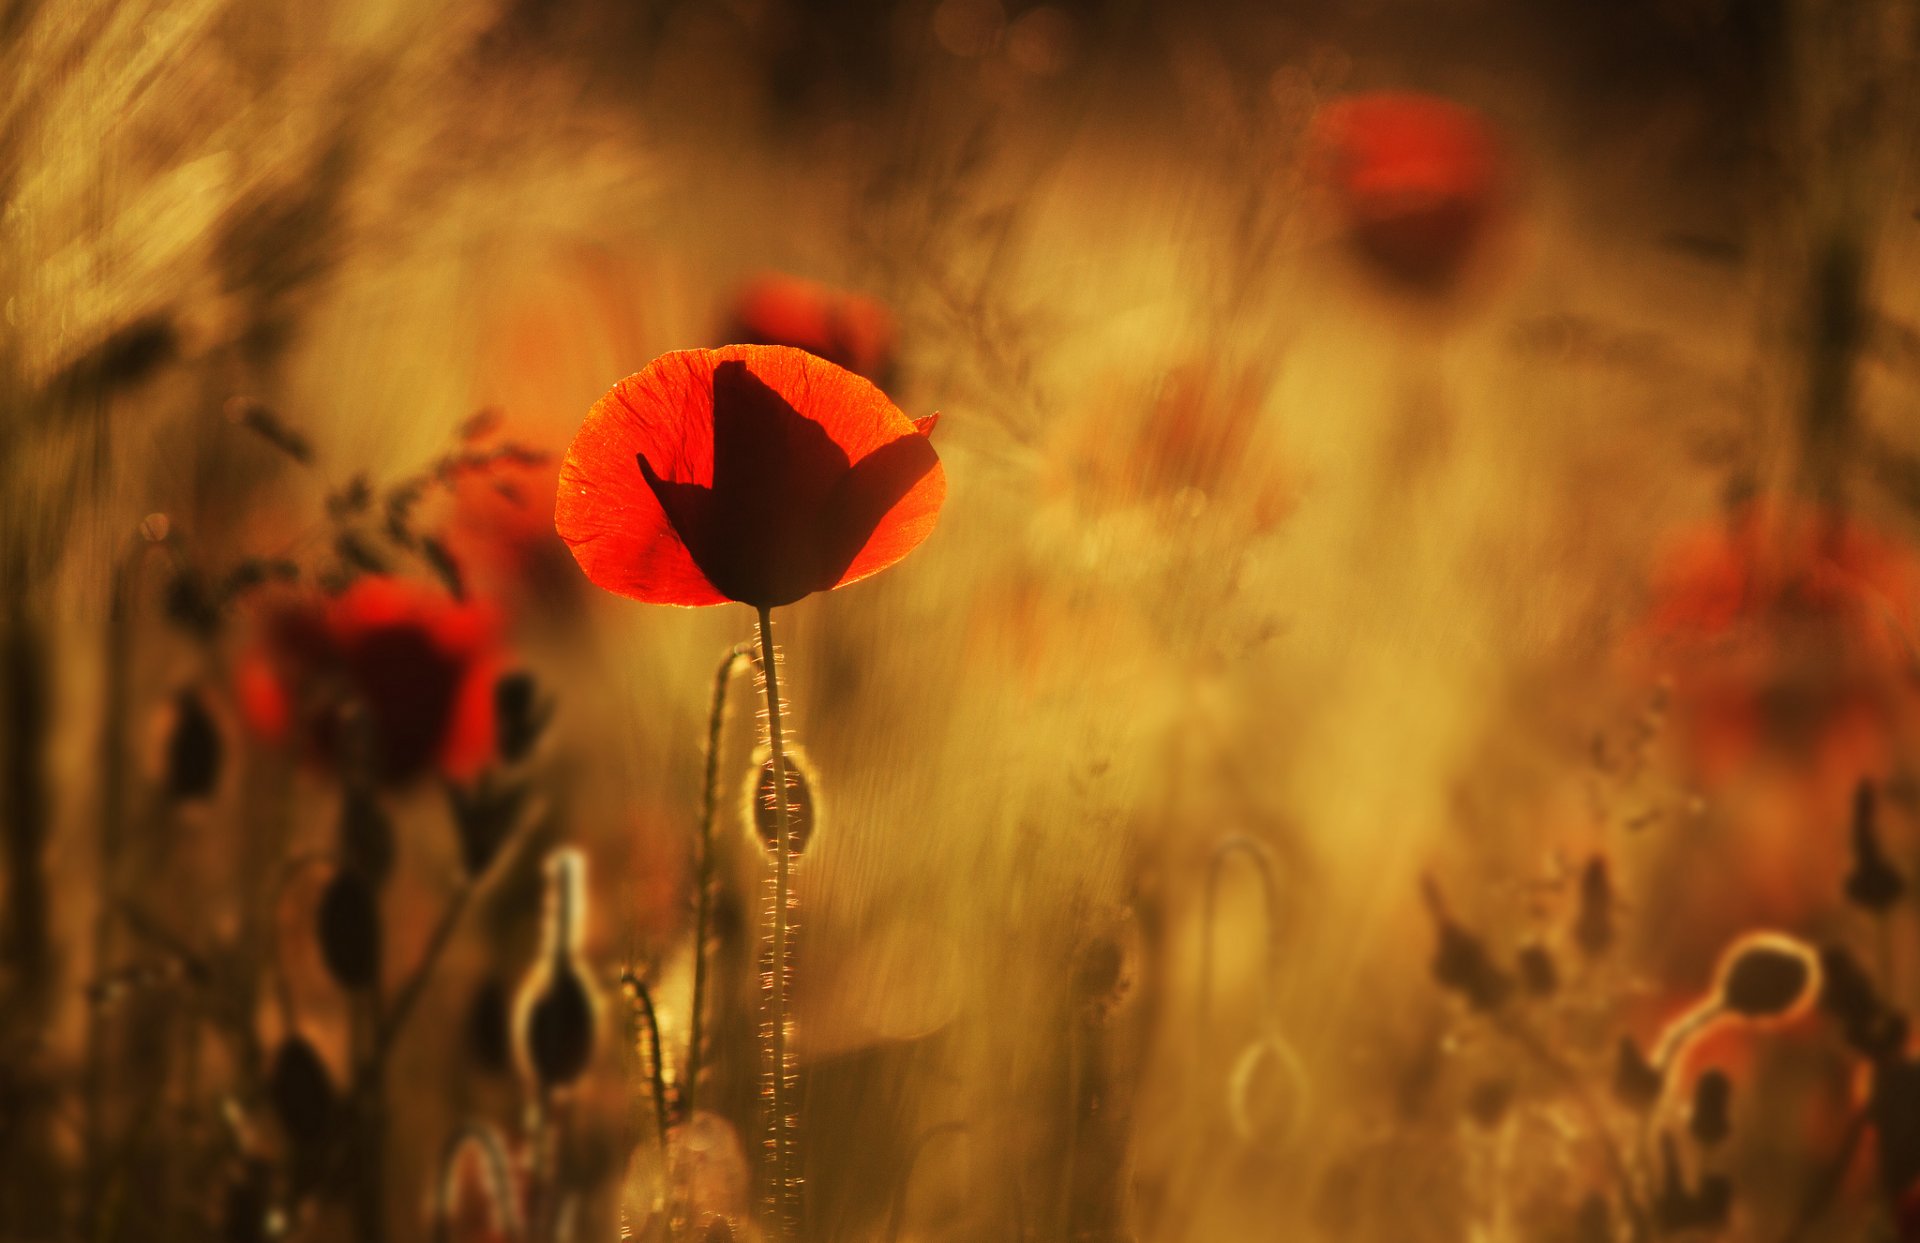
[(850, 329), (751, 473), (1417, 179), (500, 532), (412, 666), (1786, 632)]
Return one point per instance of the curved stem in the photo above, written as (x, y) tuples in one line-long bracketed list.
[(784, 1153), (703, 867), (656, 1061)]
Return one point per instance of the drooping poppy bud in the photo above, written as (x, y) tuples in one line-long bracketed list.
[(802, 810), (194, 749), (304, 1102), (557, 1013), (1538, 973), (1461, 963), (1768, 976), (484, 817), (1711, 1119), (1874, 883), (348, 929), (1593, 920), (520, 717), (1637, 1083), (752, 473)]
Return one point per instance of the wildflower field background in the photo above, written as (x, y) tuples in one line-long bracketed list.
[(1405, 728)]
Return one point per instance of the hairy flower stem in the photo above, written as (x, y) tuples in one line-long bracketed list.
[(783, 1130), (703, 872)]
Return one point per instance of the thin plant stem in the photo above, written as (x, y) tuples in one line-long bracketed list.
[(784, 1152), (656, 1061), (703, 869)]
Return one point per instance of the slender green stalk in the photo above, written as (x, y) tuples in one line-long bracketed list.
[(703, 871), (784, 1130)]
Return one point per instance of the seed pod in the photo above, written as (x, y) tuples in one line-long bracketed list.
[(194, 749), (304, 1102), (1766, 976), (557, 1013), (1711, 1119), (801, 809), (348, 928), (1593, 923), (1538, 973), (1873, 884), (365, 836), (1637, 1084)]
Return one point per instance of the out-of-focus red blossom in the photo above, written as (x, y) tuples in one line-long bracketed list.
[(1785, 632), (418, 664), (1417, 178), (754, 473), (501, 534), (850, 329)]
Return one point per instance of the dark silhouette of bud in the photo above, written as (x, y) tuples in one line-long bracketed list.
[(247, 1205), (194, 749), (304, 1103), (520, 716), (1461, 963), (190, 605), (1539, 975), (1873, 1029), (365, 836), (1873, 884), (801, 809), (1767, 976), (1711, 1120), (1593, 921), (1637, 1084), (348, 929), (557, 1012), (484, 818)]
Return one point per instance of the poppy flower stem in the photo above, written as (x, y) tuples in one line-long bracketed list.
[(703, 898), (783, 1134)]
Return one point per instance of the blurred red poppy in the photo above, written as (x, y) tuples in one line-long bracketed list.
[(1417, 178), (751, 473), (391, 675), (500, 532), (846, 328), (1787, 632)]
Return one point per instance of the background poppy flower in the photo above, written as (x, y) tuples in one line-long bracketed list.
[(750, 473), (1787, 630), (418, 664), (846, 328), (1417, 178)]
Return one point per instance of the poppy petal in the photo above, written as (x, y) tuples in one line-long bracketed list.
[(871, 491), (606, 511), (927, 424)]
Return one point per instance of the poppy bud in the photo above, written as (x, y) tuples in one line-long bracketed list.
[(1848, 994), (1593, 924), (1873, 884), (1538, 973), (484, 818), (557, 1012), (190, 605), (800, 806), (348, 927), (302, 1096), (366, 836), (1767, 977), (519, 716), (194, 749), (1461, 963), (1637, 1084), (1266, 1091), (1711, 1120)]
